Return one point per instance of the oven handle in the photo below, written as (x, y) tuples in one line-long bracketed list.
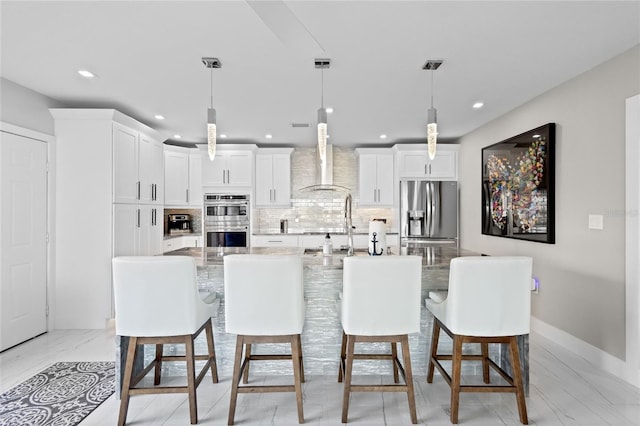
[(226, 228)]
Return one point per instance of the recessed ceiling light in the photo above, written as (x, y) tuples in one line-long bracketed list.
[(159, 117), (478, 105), (329, 110), (86, 74), (268, 136), (536, 136), (177, 136), (383, 136), (223, 136)]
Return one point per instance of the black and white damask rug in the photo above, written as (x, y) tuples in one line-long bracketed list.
[(63, 394)]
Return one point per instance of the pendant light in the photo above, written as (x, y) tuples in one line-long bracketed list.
[(211, 63), (322, 63), (432, 119)]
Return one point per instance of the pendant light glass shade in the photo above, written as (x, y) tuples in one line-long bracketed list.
[(322, 133), (432, 119), (211, 63), (211, 133), (432, 132)]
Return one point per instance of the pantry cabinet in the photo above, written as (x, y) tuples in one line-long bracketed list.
[(232, 167), (103, 184), (375, 177), (414, 162), (273, 177)]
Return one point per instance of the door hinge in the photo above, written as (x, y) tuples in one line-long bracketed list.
[(47, 310), (47, 238)]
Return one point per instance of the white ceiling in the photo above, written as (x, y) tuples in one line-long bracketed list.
[(147, 58)]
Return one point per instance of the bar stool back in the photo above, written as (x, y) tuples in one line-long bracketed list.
[(157, 302), (380, 303), (264, 303), (489, 301)]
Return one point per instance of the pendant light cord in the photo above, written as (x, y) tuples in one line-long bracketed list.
[(322, 87), (211, 87), (432, 88)]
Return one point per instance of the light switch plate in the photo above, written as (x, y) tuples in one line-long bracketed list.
[(596, 221)]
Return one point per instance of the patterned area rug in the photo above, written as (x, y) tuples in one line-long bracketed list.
[(63, 394)]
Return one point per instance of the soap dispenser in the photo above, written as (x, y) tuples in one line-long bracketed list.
[(327, 248)]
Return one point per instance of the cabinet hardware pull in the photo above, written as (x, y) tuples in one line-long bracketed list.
[(187, 192), (138, 224), (138, 190), (154, 191), (228, 180), (153, 217), (274, 195)]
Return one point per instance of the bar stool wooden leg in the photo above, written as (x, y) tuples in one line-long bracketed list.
[(300, 359), (191, 379), (394, 356), (343, 351), (517, 379), (212, 352), (456, 365), (247, 361), (158, 364), (126, 384), (484, 347), (296, 357), (235, 380), (409, 378), (434, 349), (351, 341)]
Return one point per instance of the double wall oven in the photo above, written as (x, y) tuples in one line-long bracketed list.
[(226, 220)]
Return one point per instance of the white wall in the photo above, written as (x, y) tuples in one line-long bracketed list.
[(582, 275), (25, 108)]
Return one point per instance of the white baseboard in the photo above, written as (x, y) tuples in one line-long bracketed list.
[(596, 356)]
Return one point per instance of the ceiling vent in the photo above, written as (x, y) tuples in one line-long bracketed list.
[(294, 125)]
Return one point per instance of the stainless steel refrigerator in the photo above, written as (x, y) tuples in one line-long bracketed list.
[(428, 212)]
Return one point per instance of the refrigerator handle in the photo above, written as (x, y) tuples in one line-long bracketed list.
[(435, 203)]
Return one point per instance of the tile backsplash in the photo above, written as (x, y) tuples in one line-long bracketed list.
[(321, 211)]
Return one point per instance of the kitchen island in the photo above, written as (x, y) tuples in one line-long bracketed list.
[(321, 337)]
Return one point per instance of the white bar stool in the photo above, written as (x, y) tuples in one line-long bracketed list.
[(157, 302), (489, 301), (380, 303), (264, 303)]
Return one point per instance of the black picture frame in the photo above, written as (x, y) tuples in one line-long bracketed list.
[(518, 186)]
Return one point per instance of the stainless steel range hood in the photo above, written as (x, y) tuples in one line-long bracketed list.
[(324, 174)]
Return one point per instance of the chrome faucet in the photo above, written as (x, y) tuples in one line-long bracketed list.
[(348, 224)]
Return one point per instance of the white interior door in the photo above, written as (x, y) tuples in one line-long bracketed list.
[(23, 247)]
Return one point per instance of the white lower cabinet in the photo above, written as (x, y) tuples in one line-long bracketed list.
[(274, 240), (138, 230), (184, 241)]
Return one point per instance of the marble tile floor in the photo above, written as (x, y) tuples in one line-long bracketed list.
[(565, 390)]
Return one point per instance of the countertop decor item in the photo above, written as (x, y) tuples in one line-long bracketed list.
[(64, 393), (377, 238)]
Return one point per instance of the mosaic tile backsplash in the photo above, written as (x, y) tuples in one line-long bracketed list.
[(321, 211)]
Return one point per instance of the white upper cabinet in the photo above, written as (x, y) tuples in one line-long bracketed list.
[(273, 177), (232, 167), (137, 167), (414, 162), (176, 177), (195, 179), (376, 176), (125, 165), (182, 176)]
